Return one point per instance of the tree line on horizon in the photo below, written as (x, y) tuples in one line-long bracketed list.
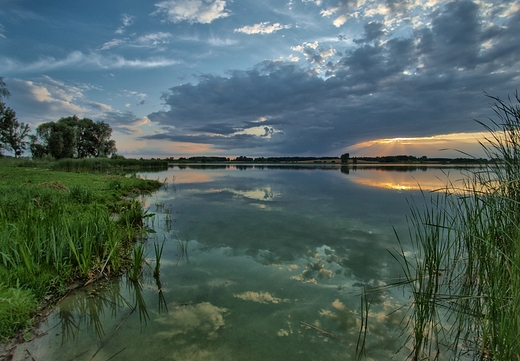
[(343, 159), (69, 137)]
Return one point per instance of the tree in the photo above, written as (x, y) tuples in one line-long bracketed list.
[(54, 139), (12, 132), (345, 157), (72, 137), (4, 92)]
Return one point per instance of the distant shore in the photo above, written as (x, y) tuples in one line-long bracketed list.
[(344, 160)]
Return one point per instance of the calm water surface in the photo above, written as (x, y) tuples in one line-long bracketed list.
[(259, 263)]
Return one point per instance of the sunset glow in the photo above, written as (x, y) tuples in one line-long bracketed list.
[(441, 146)]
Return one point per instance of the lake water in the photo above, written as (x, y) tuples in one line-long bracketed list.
[(259, 263)]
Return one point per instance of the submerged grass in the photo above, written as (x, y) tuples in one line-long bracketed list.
[(464, 271), (56, 227)]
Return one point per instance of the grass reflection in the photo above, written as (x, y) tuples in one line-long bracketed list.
[(89, 309)]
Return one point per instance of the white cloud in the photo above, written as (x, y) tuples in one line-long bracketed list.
[(192, 11), (153, 39), (48, 99), (259, 131), (260, 297), (215, 41), (149, 40), (301, 48), (127, 21), (380, 9), (201, 319), (142, 121), (100, 106), (111, 44), (329, 12), (340, 20), (262, 28), (77, 59)]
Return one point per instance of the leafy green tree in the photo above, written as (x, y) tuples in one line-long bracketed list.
[(12, 132), (54, 139), (73, 137), (345, 157), (4, 92)]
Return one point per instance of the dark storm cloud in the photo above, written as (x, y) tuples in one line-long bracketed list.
[(373, 30), (457, 34), (506, 51), (432, 82)]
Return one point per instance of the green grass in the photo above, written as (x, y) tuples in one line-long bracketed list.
[(104, 164), (58, 226), (464, 271), (17, 305)]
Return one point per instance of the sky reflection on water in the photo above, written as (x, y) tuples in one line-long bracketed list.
[(257, 261)]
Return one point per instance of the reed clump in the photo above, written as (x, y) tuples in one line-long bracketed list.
[(464, 271), (56, 227)]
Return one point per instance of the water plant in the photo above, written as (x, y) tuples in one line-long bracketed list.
[(363, 328), (137, 262), (158, 255), (464, 269)]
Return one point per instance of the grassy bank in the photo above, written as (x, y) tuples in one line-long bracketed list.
[(464, 273), (57, 227)]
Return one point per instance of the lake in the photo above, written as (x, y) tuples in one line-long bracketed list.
[(259, 263)]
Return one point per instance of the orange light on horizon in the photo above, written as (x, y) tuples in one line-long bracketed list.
[(442, 145)]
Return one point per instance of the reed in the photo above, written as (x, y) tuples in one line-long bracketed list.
[(464, 274), (137, 262), (158, 255), (107, 164), (363, 328)]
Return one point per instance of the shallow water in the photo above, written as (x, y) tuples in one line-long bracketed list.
[(259, 263)]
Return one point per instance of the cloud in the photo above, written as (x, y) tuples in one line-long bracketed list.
[(112, 44), (260, 297), (192, 11), (201, 319), (99, 106), (373, 31), (340, 20), (152, 40), (262, 28), (313, 53), (127, 21), (216, 41), (47, 99), (93, 60), (139, 98), (381, 86)]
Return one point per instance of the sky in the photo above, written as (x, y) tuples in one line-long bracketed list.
[(265, 77)]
